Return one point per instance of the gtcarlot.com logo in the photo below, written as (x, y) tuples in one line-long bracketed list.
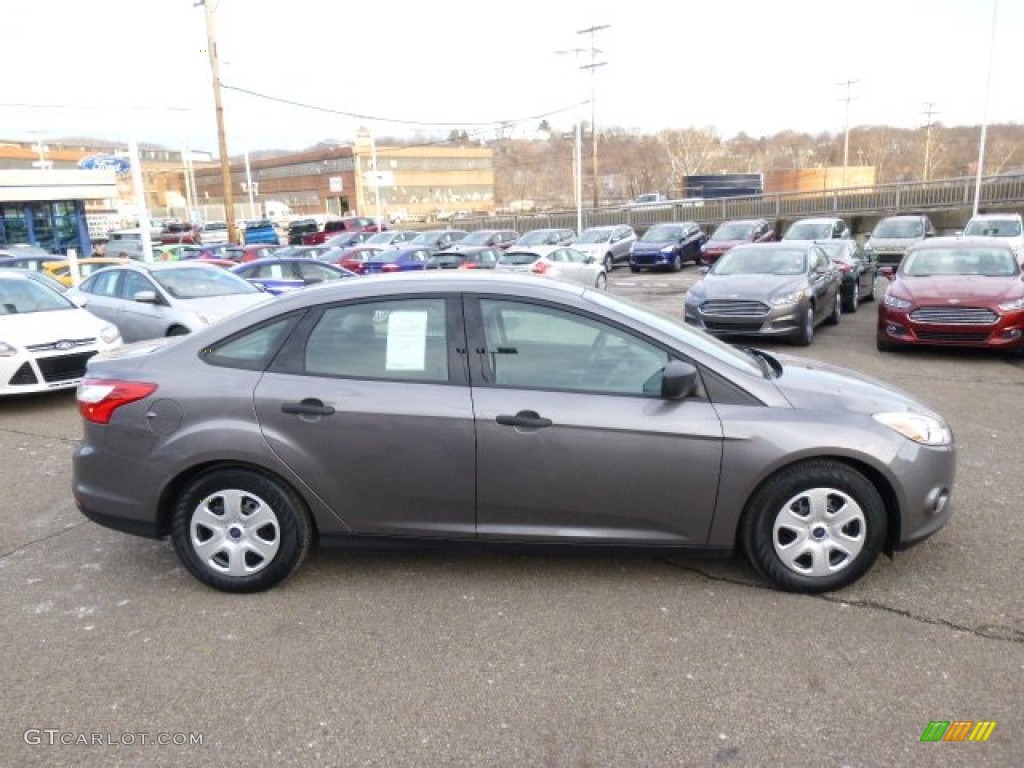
[(958, 730), (53, 737)]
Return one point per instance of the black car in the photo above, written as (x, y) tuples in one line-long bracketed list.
[(470, 257), (858, 267)]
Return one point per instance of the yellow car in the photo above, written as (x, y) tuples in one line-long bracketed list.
[(61, 270)]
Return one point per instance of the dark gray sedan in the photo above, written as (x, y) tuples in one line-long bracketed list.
[(434, 407), (767, 289)]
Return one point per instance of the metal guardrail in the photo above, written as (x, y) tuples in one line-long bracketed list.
[(885, 199)]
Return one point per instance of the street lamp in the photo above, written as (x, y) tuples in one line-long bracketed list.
[(577, 154), (984, 119)]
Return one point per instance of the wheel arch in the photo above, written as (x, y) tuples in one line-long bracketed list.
[(172, 491), (874, 476)]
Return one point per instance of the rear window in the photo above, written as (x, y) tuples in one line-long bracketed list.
[(518, 258)]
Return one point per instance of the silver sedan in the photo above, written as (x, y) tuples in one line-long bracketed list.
[(469, 408)]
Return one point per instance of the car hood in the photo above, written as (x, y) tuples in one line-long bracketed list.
[(892, 242), (722, 245), (30, 328), (749, 286), (653, 245), (813, 385), (592, 249), (964, 289)]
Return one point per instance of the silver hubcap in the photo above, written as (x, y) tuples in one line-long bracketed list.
[(601, 281), (819, 532), (235, 533), (856, 294)]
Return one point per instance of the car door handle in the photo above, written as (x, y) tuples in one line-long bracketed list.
[(308, 407), (529, 419)]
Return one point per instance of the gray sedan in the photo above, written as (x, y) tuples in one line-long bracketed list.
[(433, 406), (608, 245), (767, 289), (165, 299)]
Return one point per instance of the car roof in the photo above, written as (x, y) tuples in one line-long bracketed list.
[(988, 216), (781, 245)]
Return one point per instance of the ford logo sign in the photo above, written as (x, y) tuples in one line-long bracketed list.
[(62, 345), (119, 165)]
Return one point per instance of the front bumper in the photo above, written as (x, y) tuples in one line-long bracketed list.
[(652, 259), (898, 327), (786, 320)]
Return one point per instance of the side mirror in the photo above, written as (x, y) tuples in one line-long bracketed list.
[(145, 297), (678, 381)]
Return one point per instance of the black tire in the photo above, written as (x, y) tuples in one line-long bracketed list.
[(178, 330), (601, 283), (837, 311), (831, 555), (805, 335), (884, 346), (633, 269), (263, 551), (852, 301), (609, 262), (676, 264)]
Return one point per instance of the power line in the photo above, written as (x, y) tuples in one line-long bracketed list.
[(394, 120)]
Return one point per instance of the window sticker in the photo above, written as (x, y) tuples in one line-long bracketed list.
[(407, 341)]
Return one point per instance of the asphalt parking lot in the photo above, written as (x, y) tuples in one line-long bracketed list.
[(440, 658)]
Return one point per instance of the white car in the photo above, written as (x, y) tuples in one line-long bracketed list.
[(609, 245), (1009, 227), (45, 338), (557, 261)]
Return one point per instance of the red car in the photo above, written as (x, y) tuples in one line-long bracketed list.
[(956, 292), (241, 253), (729, 234), (352, 259), (334, 226)]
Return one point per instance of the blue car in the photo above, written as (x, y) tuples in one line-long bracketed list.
[(667, 246), (279, 276), (401, 260), (260, 232)]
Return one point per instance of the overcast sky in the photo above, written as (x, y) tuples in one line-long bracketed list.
[(735, 65)]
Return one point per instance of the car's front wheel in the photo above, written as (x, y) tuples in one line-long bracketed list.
[(609, 262), (240, 530), (601, 283), (814, 527), (852, 300), (676, 264), (805, 334)]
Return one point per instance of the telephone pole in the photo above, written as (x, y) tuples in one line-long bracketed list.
[(928, 112), (225, 161), (592, 66)]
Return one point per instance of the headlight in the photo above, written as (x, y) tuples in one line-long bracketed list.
[(1013, 306), (6, 350), (868, 247), (109, 334), (789, 298), (668, 249), (895, 303), (917, 427)]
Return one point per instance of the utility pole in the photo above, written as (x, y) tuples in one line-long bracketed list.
[(984, 119), (846, 130), (928, 112), (577, 153), (225, 161), (592, 66)]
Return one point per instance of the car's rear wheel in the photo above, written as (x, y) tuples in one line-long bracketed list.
[(633, 269), (240, 530), (852, 300), (601, 283), (814, 527), (609, 262), (805, 335)]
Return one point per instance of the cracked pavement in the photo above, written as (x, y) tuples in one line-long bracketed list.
[(438, 658)]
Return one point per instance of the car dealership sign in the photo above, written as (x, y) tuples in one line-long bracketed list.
[(119, 165)]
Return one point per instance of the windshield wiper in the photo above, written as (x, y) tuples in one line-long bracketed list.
[(772, 368)]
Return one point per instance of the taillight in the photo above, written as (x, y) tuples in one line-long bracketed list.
[(540, 267), (468, 265), (99, 398), (389, 268)]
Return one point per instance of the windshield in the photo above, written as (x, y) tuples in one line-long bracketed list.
[(595, 236), (426, 239), (19, 297), (837, 249), (382, 238), (810, 230), (757, 261), (201, 282), (518, 258), (899, 228), (678, 330), (661, 234), (734, 230), (539, 237), (986, 262), (480, 237), (993, 228)]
